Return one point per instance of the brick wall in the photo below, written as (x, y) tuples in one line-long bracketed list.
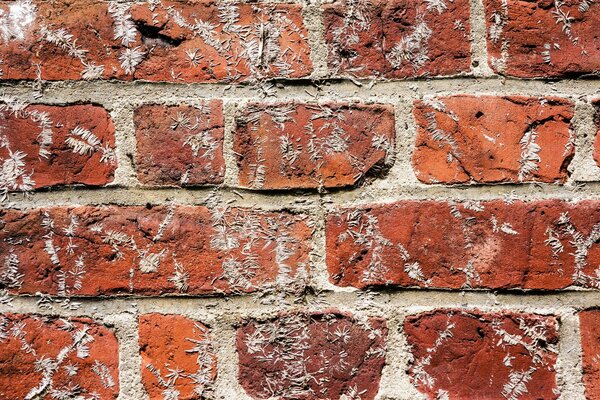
[(344, 199)]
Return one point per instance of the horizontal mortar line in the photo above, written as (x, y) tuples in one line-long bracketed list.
[(388, 302), (118, 92), (301, 199)]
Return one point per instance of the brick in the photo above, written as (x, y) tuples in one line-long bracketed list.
[(530, 39), (547, 245), (49, 358), (304, 145), (475, 355), (174, 41), (590, 342), (493, 139), (307, 356), (180, 145), (43, 146), (174, 343), (397, 39), (89, 251)]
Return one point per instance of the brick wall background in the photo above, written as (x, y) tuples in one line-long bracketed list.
[(300, 200)]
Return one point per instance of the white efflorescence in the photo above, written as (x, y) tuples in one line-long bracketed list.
[(83, 142), (364, 231), (130, 59), (15, 174), (124, 28), (331, 138), (499, 22), (421, 377), (412, 49), (15, 23), (290, 337), (55, 371), (584, 5), (530, 158), (440, 135), (69, 281), (527, 341), (438, 5), (198, 137), (564, 233), (533, 338), (250, 233), (201, 379), (180, 277)]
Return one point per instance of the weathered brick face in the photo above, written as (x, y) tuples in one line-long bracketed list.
[(475, 355), (43, 146), (397, 39), (51, 358), (543, 38), (294, 145), (538, 245), (89, 251), (306, 356), (171, 343), (175, 41), (590, 342), (488, 139), (180, 145)]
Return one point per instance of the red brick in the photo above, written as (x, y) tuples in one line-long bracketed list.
[(545, 38), (170, 343), (109, 250), (489, 139), (475, 355), (175, 41), (50, 358), (180, 145), (310, 356), (546, 245), (398, 38), (590, 342), (55, 145), (295, 145)]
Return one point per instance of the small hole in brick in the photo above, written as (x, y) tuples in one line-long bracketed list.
[(479, 114), (152, 36), (347, 53)]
